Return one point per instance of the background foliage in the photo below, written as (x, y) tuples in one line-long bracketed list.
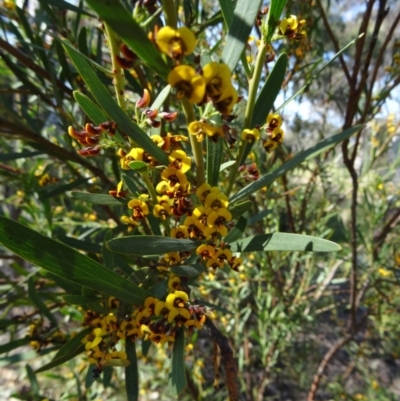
[(303, 325)]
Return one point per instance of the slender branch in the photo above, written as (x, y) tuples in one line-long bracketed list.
[(333, 40), (231, 372), (169, 9), (378, 63), (248, 116), (329, 356), (118, 72)]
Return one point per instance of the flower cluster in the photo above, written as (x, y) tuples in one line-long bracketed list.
[(90, 136), (274, 132), (41, 336), (157, 321), (291, 27)]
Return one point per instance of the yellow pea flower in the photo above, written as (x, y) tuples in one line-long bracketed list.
[(250, 135), (176, 43), (187, 83), (218, 78)]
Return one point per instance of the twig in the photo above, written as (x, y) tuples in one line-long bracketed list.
[(333, 40), (228, 361)]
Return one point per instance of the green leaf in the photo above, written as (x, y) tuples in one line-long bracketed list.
[(214, 157), (308, 83), (138, 165), (120, 20), (205, 57), (108, 256), (69, 350), (90, 376), (177, 377), (241, 208), (161, 98), (110, 106), (66, 262), (8, 322), (107, 375), (227, 164), (90, 108), (32, 380), (150, 245), (131, 372), (79, 299), (254, 219), (98, 199), (9, 360), (239, 30), (275, 10), (295, 161), (38, 302), (6, 157), (269, 92), (284, 242), (188, 270), (227, 11), (60, 189), (79, 244), (236, 232), (65, 5), (14, 344)]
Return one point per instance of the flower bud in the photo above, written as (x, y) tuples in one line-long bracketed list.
[(144, 101), (91, 130), (169, 116)]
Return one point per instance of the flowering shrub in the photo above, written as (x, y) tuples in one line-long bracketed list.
[(186, 141)]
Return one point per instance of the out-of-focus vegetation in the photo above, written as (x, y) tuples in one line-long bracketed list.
[(302, 325)]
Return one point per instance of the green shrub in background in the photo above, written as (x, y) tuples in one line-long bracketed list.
[(174, 222)]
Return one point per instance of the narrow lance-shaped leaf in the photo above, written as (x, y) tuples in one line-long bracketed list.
[(275, 10), (150, 245), (131, 372), (283, 242), (120, 20), (5, 157), (110, 106), (239, 30), (65, 262), (269, 92), (161, 98), (69, 350), (14, 344), (308, 83), (177, 378), (237, 231), (98, 199), (188, 270), (62, 188), (295, 161), (91, 109), (38, 302), (214, 157)]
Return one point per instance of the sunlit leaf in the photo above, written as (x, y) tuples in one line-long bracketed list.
[(150, 245), (240, 28), (295, 161), (284, 242)]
